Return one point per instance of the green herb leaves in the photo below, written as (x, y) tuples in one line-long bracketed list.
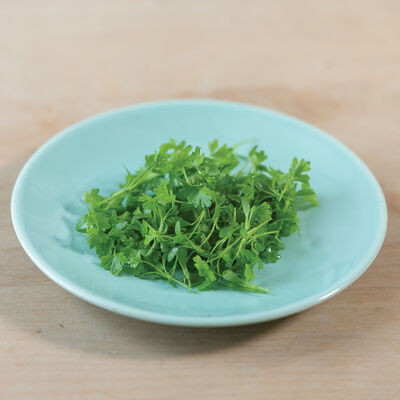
[(198, 221)]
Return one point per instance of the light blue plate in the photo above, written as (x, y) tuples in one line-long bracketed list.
[(339, 239)]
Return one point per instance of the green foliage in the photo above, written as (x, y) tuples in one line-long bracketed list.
[(198, 221)]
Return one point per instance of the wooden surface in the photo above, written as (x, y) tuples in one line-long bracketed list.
[(334, 64)]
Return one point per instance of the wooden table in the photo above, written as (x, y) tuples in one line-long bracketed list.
[(334, 64)]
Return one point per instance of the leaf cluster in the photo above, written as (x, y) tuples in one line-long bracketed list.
[(198, 221)]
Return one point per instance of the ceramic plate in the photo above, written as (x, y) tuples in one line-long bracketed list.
[(339, 239)]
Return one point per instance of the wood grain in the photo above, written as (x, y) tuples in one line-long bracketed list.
[(334, 64)]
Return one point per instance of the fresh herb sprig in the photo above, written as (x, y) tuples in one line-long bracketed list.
[(198, 221)]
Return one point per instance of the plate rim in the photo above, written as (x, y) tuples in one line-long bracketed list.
[(196, 321)]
